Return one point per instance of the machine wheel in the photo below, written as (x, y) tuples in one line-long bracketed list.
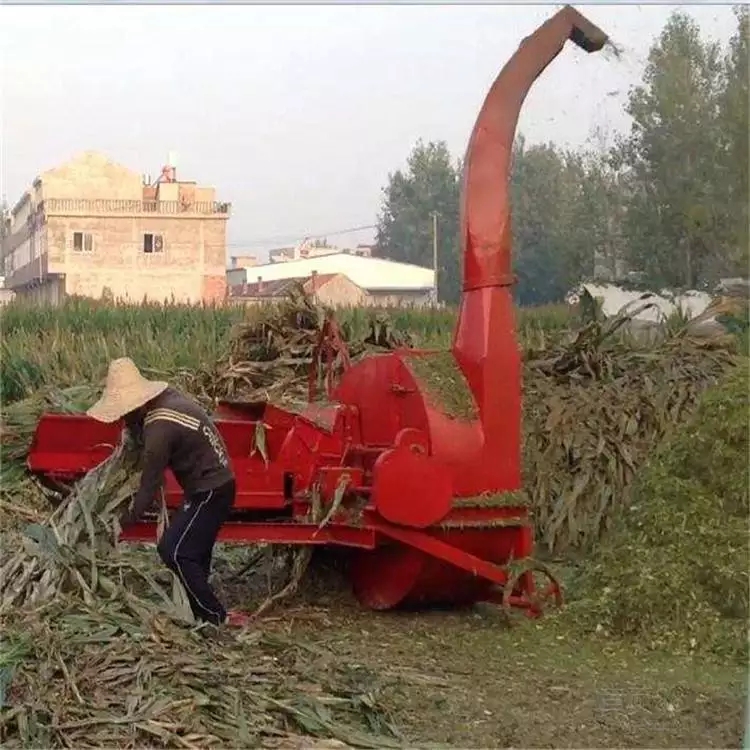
[(383, 578), (533, 587), (396, 576)]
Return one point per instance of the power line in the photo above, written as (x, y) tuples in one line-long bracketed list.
[(297, 237), (302, 236)]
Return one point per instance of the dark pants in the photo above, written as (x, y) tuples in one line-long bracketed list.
[(186, 547)]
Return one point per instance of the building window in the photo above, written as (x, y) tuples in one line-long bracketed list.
[(153, 243), (83, 242)]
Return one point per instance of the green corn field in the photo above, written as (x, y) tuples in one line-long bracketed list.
[(73, 343)]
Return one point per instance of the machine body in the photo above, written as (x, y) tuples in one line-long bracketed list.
[(401, 482)]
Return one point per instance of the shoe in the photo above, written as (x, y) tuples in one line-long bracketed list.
[(237, 619)]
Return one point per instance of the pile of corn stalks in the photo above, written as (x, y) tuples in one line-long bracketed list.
[(103, 676), (116, 673), (595, 405), (594, 410), (271, 354), (49, 561)]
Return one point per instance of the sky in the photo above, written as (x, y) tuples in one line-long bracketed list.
[(296, 114)]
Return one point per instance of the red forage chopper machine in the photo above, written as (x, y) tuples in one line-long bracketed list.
[(402, 482)]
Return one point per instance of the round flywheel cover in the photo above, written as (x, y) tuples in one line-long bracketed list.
[(410, 488)]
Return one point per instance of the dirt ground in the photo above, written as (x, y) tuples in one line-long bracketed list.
[(468, 679)]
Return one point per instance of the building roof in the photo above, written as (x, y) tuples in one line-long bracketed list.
[(368, 273), (278, 287)]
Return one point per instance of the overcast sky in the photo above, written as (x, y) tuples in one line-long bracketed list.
[(295, 114)]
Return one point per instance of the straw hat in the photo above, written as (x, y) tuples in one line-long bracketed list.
[(125, 390)]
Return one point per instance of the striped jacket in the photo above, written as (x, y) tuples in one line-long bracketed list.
[(177, 434)]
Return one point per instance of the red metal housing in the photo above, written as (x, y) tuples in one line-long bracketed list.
[(404, 480)]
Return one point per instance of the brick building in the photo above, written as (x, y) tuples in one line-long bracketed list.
[(94, 228), (332, 290)]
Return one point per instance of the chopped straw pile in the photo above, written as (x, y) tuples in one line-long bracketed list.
[(674, 571), (98, 649)]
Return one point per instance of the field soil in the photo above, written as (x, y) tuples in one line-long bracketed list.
[(471, 679)]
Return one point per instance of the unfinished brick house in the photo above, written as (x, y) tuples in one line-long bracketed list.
[(332, 290), (94, 228)]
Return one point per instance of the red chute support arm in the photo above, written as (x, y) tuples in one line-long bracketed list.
[(484, 343)]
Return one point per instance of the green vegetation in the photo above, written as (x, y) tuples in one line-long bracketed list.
[(635, 463), (674, 571), (73, 343)]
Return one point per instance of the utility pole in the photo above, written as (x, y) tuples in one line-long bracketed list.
[(434, 253)]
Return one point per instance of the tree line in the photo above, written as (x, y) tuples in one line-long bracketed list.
[(666, 205)]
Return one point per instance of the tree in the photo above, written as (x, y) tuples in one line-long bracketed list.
[(561, 218), (599, 221), (429, 184), (537, 260), (735, 126), (674, 214)]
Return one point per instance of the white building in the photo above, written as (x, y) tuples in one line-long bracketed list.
[(386, 282), (664, 304)]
